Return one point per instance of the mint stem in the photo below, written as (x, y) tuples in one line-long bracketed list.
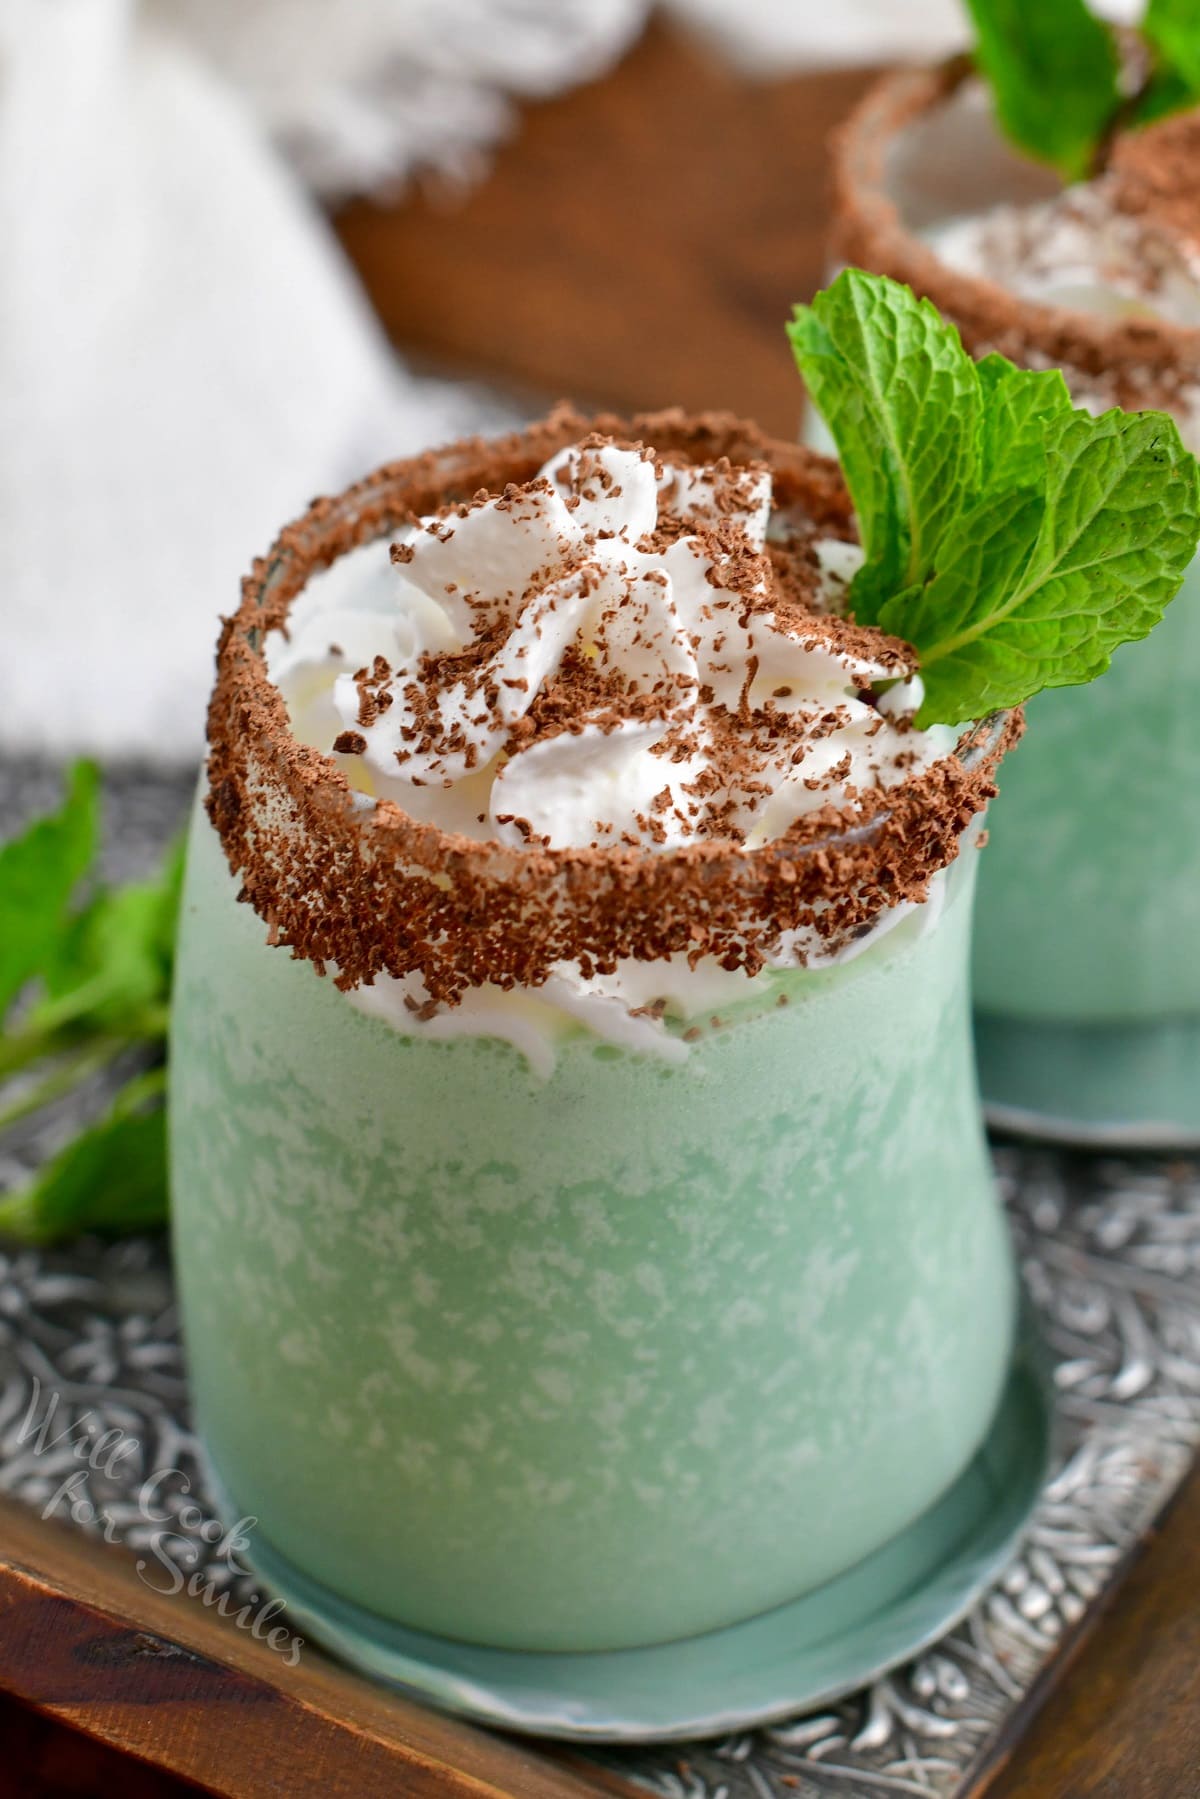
[(150, 1085), (19, 1216), (21, 1048), (39, 1040), (74, 1068)]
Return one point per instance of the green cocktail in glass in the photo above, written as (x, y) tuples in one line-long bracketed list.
[(1086, 993), (604, 1358), (1087, 1001), (553, 1320)]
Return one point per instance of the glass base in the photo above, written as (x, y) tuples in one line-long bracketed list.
[(808, 1652), (1096, 1086)]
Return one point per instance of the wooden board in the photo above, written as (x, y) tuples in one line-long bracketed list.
[(85, 1642), (84, 1639), (1120, 1719), (640, 243)]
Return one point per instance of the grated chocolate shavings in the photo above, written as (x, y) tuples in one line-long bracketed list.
[(369, 889)]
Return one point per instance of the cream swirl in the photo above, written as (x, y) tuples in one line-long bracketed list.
[(603, 655), (626, 650)]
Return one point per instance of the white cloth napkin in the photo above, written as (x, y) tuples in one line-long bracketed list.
[(766, 37), (360, 94), (185, 360)]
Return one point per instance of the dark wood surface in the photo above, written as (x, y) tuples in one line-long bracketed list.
[(639, 243), (85, 1641), (39, 1756), (1123, 1718)]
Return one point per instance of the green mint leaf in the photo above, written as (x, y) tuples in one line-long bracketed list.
[(1016, 406), (39, 872), (986, 553), (112, 965), (1036, 589), (105, 974), (1065, 536), (1172, 27), (1053, 70), (112, 1178), (108, 969), (902, 399)]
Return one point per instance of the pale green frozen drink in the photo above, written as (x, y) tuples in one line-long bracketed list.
[(1087, 996), (586, 1238)]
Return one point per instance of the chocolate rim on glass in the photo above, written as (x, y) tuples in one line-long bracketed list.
[(397, 894), (714, 1294), (1087, 1018), (885, 196)]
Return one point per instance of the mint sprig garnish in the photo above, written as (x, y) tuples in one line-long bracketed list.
[(1054, 69), (1013, 541), (85, 977)]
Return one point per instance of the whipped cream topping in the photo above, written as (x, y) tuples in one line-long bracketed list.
[(1081, 250), (625, 650)]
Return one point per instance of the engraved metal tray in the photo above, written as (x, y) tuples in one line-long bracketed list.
[(1110, 1251)]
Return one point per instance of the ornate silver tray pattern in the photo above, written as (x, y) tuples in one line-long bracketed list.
[(1111, 1256)]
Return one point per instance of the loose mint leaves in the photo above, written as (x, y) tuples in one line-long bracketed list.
[(1055, 74), (1013, 541), (1053, 70), (111, 1178), (85, 976), (39, 872)]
